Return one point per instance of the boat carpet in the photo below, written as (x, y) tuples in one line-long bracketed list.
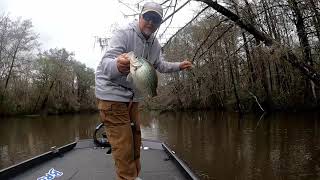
[(88, 162)]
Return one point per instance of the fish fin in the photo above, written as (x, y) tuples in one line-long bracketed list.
[(129, 77), (136, 64), (130, 54)]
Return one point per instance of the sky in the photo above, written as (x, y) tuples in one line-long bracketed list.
[(75, 24)]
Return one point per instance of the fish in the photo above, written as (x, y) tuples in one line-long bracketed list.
[(142, 75)]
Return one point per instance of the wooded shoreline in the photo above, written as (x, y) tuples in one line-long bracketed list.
[(249, 57)]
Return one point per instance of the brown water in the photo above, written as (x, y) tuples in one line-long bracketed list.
[(215, 145)]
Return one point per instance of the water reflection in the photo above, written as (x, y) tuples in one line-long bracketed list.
[(215, 145), (23, 138), (221, 146)]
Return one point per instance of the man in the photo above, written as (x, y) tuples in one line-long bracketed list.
[(117, 103)]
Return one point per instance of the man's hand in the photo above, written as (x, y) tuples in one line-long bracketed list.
[(185, 65), (123, 63)]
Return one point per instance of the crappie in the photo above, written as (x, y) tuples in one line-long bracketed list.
[(143, 75)]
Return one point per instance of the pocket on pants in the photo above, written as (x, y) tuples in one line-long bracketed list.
[(114, 113)]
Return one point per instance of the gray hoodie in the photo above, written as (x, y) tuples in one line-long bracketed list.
[(110, 83)]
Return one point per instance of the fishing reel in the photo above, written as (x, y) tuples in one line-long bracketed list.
[(100, 136)]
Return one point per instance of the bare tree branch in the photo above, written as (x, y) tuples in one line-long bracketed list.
[(164, 2), (255, 97), (184, 27), (240, 22), (175, 11), (221, 35), (127, 6), (289, 56), (203, 42)]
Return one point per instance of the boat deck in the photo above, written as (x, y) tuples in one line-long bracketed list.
[(85, 161)]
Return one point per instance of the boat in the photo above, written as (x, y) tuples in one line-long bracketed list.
[(84, 159)]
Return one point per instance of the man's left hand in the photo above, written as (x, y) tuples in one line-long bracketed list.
[(185, 65)]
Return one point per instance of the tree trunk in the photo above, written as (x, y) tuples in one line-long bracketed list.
[(233, 81), (252, 76), (11, 66), (304, 42), (316, 18), (223, 79), (289, 56), (10, 71), (265, 81), (44, 102)]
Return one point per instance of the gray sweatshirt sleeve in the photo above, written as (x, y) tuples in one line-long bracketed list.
[(117, 46), (166, 67)]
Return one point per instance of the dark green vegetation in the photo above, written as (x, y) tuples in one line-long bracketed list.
[(49, 82), (234, 70)]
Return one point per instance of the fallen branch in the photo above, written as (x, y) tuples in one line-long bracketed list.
[(184, 27), (240, 22), (261, 117), (289, 56), (255, 97)]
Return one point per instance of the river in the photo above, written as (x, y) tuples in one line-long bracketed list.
[(216, 145)]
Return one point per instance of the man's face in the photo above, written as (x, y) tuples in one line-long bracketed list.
[(149, 23)]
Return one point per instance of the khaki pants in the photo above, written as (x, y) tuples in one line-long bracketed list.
[(125, 140)]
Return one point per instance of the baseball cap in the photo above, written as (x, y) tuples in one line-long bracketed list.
[(152, 6)]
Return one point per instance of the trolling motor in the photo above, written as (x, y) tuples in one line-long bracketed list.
[(100, 136)]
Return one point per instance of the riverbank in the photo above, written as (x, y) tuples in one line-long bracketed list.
[(87, 111), (154, 105), (247, 105)]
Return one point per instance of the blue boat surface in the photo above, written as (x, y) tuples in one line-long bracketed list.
[(84, 160)]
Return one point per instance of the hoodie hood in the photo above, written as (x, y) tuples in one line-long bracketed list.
[(136, 28)]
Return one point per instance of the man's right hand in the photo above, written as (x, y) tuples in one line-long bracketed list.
[(123, 63)]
